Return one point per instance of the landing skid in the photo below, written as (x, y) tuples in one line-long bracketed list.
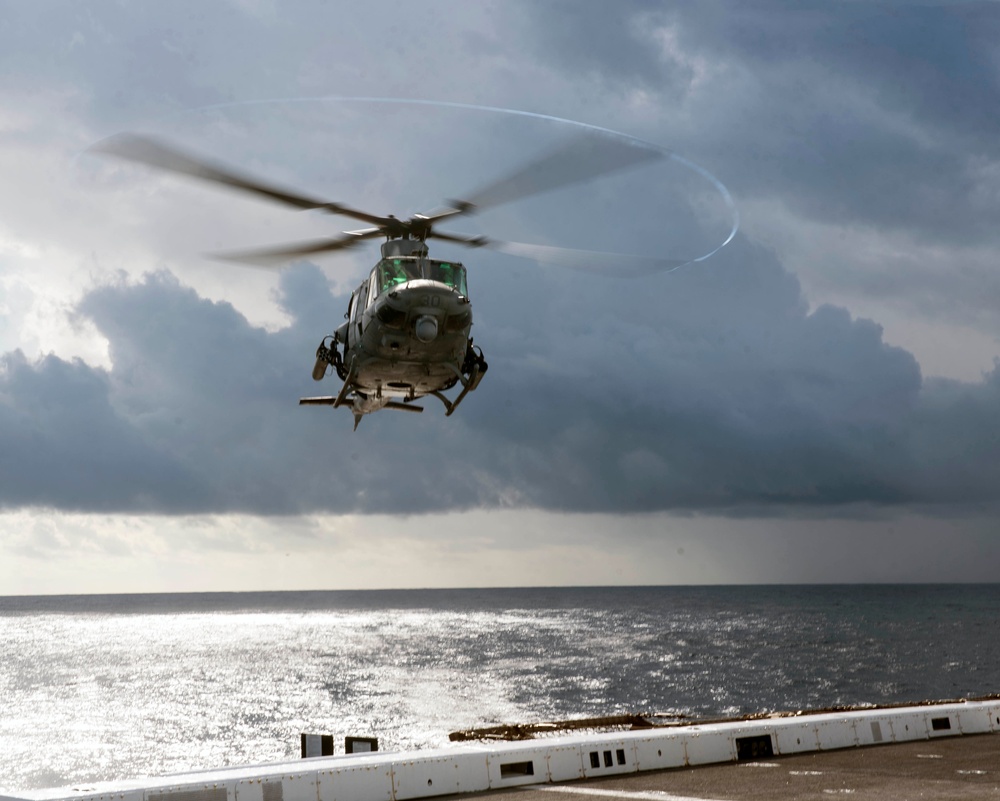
[(469, 383)]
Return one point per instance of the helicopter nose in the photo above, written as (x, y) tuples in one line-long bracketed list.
[(426, 328)]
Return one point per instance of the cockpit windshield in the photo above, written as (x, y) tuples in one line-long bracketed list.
[(392, 272), (448, 273)]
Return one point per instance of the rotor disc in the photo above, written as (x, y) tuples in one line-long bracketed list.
[(594, 152)]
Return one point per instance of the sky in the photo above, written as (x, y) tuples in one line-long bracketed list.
[(817, 401)]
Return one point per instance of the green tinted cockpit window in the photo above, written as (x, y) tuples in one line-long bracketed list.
[(392, 272), (448, 273)]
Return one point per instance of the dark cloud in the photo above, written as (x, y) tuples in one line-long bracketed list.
[(849, 112), (604, 45), (62, 444), (712, 389), (955, 443), (933, 62), (209, 391), (878, 114), (853, 112), (134, 64), (874, 122)]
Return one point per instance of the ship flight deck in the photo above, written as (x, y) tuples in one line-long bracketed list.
[(942, 750)]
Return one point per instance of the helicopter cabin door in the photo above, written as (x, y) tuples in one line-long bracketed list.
[(357, 312)]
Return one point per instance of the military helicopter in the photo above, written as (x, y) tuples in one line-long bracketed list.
[(406, 333)]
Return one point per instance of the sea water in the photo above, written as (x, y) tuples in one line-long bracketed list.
[(97, 688)]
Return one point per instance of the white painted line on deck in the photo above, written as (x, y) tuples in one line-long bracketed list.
[(653, 795)]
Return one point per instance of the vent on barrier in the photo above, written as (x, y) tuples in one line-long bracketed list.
[(940, 724), (876, 731), (609, 758), (756, 747), (274, 791), (510, 769)]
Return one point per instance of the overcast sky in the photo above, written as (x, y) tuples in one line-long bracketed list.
[(817, 401)]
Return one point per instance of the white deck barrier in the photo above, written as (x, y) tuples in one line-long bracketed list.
[(471, 768)]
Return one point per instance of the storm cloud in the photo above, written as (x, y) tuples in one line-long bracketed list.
[(835, 361), (713, 389)]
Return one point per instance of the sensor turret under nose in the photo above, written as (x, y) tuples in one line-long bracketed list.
[(426, 328)]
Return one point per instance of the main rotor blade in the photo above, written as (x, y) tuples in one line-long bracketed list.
[(581, 159), (462, 239), (593, 261), (273, 257), (156, 153)]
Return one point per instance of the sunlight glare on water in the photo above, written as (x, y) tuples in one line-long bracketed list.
[(118, 687)]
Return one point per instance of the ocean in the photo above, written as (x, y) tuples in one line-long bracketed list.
[(97, 688)]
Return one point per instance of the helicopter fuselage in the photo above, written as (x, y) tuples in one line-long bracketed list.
[(410, 339), (406, 335)]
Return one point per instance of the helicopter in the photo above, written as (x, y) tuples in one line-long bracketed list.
[(406, 334)]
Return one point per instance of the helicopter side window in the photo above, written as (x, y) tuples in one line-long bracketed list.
[(357, 303), (447, 273), (393, 272)]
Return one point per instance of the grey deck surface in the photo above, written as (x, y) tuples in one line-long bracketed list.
[(965, 767)]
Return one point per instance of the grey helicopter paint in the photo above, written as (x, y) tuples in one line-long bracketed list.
[(406, 335)]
